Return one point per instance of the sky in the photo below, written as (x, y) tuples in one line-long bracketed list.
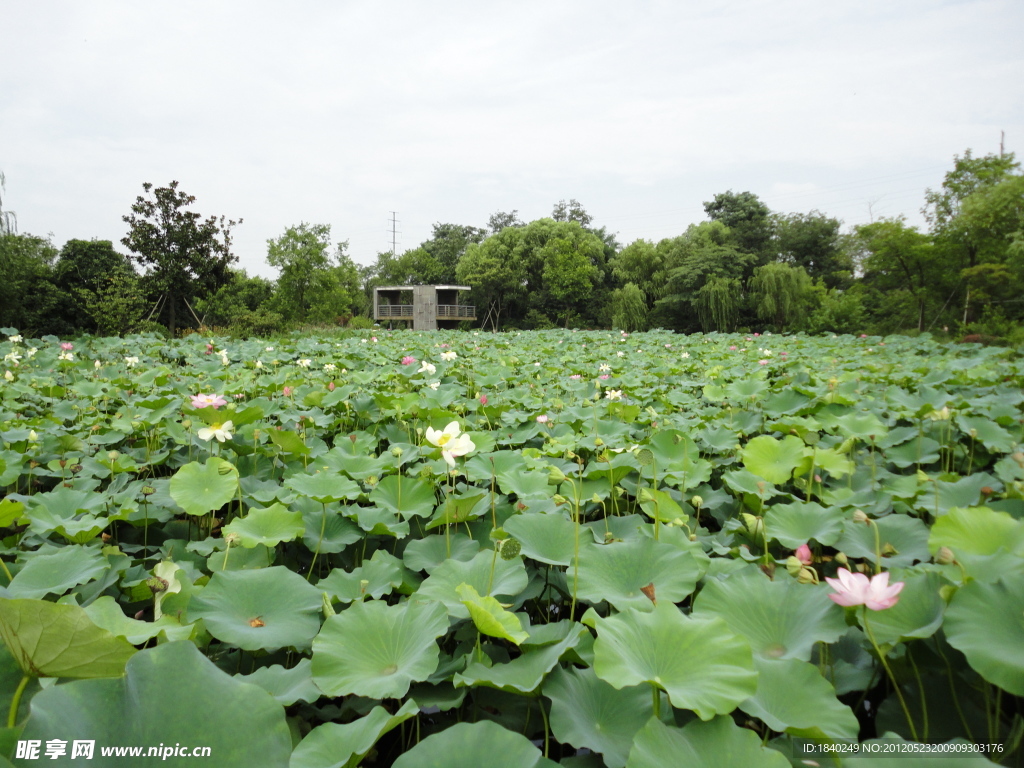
[(446, 112)]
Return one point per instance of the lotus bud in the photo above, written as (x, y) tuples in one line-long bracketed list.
[(595, 499), (807, 576), (842, 559), (598, 441), (888, 550), (555, 476), (793, 565), (860, 517), (753, 525), (559, 499), (187, 423), (112, 455), (945, 556), (804, 554)]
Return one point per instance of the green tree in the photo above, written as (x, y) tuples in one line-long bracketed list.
[(185, 255), (781, 293), (571, 211), (447, 245), (747, 217), (115, 305), (569, 273), (812, 241), (629, 308), (84, 270), (501, 219), (241, 295), (496, 274), (718, 303), (312, 287), (29, 299)]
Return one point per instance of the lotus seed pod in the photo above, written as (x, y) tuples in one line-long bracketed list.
[(397, 452), (156, 584), (645, 456), (697, 501), (598, 441), (510, 549)]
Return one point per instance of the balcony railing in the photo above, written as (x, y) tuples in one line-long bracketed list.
[(394, 310), (461, 311)]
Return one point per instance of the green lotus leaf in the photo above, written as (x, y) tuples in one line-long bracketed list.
[(545, 538), (617, 572), (700, 663), (377, 650), (977, 531), (427, 554), (334, 745), (472, 745), (203, 488), (288, 442), (490, 617), (987, 432), (324, 487), (404, 496), (792, 696), (587, 712), (781, 619), (325, 529), (801, 521), (903, 539), (773, 459), (382, 573), (918, 612), (986, 622), (10, 510), (862, 426), (525, 673), (269, 526), (105, 612), (54, 572), (56, 640), (170, 694), (286, 685), (719, 743), (261, 609), (506, 579)]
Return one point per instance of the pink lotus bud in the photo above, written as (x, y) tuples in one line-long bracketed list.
[(803, 554), (483, 399), (330, 386), (286, 391)]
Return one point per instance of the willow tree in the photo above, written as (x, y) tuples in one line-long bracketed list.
[(629, 308), (779, 291), (718, 303)]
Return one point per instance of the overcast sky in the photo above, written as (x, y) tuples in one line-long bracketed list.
[(341, 112)]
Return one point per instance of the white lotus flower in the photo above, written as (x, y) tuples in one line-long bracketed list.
[(434, 384), (448, 356), (427, 368), (131, 362), (613, 394), (304, 362), (220, 431), (8, 376), (16, 338), (452, 441)]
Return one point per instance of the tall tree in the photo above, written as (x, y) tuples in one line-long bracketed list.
[(571, 211), (311, 287), (97, 277), (501, 219), (901, 267), (497, 276), (185, 256), (747, 217), (781, 293), (812, 241), (448, 243)]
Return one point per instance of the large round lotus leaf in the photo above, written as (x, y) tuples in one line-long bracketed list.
[(256, 610), (509, 579), (427, 554), (490, 617), (334, 745), (781, 619), (794, 524), (700, 663), (404, 496), (986, 623), (170, 694), (792, 696), (978, 531), (472, 745), (377, 650), (56, 571), (716, 744), (202, 488), (268, 526), (773, 459), (105, 612), (326, 530), (906, 537), (324, 487), (57, 640), (918, 613), (545, 538), (588, 713), (617, 572)]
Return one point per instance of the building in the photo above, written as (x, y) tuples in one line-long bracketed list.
[(431, 307)]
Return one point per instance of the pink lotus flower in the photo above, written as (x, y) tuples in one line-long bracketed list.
[(732, 348), (575, 377), (603, 376), (202, 401), (756, 335), (408, 360), (483, 399), (803, 554), (67, 346), (762, 362), (286, 391), (856, 589), (863, 335), (373, 338), (542, 419)]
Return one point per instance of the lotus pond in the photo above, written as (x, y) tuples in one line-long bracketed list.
[(549, 548)]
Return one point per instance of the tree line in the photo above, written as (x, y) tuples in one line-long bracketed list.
[(746, 267)]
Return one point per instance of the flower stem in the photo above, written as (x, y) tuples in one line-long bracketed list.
[(12, 717), (892, 677)]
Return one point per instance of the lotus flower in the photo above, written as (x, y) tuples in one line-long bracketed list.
[(220, 431), (449, 356), (452, 442), (804, 555), (856, 589), (408, 360), (67, 346), (202, 401)]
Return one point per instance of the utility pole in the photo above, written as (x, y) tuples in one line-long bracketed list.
[(393, 223), (1002, 139)]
